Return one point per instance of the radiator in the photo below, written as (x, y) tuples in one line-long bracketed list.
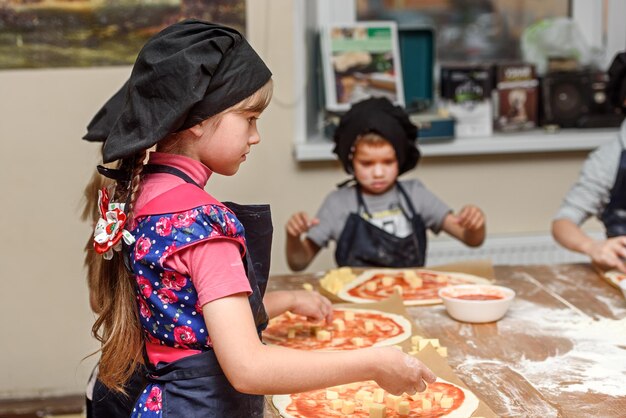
[(505, 249)]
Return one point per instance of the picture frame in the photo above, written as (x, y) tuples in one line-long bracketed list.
[(361, 60)]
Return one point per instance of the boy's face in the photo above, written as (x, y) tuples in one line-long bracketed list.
[(375, 167)]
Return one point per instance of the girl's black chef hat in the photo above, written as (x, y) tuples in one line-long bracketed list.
[(186, 73), (380, 116)]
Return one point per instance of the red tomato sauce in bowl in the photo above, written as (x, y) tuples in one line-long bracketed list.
[(478, 296)]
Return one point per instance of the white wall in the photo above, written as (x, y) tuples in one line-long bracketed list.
[(44, 166)]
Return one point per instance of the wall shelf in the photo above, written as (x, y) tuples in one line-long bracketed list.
[(319, 148)]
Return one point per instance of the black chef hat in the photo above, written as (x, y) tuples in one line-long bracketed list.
[(380, 116), (616, 87), (186, 73)]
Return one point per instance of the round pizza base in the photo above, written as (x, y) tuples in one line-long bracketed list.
[(465, 410), (365, 276), (403, 322)]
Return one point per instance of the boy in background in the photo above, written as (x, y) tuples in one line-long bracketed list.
[(378, 221), (600, 191)]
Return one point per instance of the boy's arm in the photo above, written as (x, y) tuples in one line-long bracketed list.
[(606, 254), (300, 251), (468, 226)]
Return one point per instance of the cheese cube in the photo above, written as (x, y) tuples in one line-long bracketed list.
[(404, 408), (435, 342), (331, 394), (347, 407), (392, 401), (415, 339), (348, 316), (446, 402), (291, 333), (336, 404), (339, 389), (358, 341), (437, 396), (413, 352), (339, 325), (387, 281), (379, 395), (371, 286), (441, 279), (362, 394), (369, 326), (344, 270), (323, 335), (368, 401), (398, 289), (426, 405), (443, 351), (414, 282), (377, 411), (307, 286)]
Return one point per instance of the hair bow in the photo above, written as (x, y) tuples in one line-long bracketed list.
[(109, 229)]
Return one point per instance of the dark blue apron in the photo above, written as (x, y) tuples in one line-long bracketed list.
[(196, 386), (362, 244), (614, 215)]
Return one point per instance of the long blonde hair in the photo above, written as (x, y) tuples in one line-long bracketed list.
[(112, 286)]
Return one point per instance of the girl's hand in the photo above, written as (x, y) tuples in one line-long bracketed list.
[(471, 218), (299, 223), (401, 373), (312, 305)]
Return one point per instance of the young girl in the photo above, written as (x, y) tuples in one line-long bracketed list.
[(192, 303)]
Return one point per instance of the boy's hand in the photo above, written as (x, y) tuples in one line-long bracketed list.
[(299, 223), (312, 305), (471, 218)]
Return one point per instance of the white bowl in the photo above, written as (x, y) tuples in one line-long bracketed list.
[(476, 311)]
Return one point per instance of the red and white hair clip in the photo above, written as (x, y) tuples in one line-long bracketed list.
[(109, 230)]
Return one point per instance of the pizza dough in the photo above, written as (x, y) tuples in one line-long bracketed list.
[(441, 399), (416, 286), (351, 329)]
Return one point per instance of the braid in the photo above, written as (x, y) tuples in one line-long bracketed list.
[(135, 181), (112, 289)]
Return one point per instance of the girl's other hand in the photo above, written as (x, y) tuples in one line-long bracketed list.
[(299, 223), (401, 373), (312, 305)]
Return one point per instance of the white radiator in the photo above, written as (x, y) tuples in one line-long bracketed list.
[(505, 249)]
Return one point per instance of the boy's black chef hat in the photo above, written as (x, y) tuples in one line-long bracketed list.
[(377, 115), (186, 73)]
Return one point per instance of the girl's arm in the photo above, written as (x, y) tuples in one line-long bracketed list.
[(252, 367), (300, 251), (302, 302), (606, 254), (467, 226)]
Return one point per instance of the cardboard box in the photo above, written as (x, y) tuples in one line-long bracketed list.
[(466, 95), (515, 97)]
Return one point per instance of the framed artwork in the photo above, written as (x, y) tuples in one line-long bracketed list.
[(361, 60), (88, 33)]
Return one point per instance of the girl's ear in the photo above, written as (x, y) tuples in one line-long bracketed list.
[(198, 130)]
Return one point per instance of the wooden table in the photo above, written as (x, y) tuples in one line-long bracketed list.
[(559, 352)]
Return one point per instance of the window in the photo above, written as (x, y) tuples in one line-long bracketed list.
[(502, 20)]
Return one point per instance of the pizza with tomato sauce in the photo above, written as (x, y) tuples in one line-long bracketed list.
[(416, 286), (350, 329), (365, 399)]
